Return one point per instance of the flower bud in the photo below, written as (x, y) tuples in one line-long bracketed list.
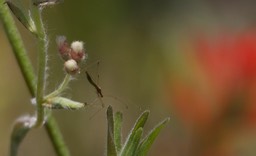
[(71, 67), (77, 46), (77, 51), (63, 47)]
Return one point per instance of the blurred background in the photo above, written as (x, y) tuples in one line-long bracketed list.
[(194, 61)]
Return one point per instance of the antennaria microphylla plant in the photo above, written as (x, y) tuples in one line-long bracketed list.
[(72, 55)]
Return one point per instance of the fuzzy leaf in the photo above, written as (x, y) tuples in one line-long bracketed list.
[(141, 120), (22, 15), (118, 130), (139, 124), (111, 148), (62, 103), (132, 145), (149, 139), (20, 129)]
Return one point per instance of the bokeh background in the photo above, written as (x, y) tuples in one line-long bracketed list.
[(194, 61)]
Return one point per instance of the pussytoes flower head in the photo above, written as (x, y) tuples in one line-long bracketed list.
[(71, 67), (63, 47), (77, 51)]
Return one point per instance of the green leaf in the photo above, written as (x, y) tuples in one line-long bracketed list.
[(22, 15), (62, 103), (111, 148), (149, 139), (20, 129), (139, 124), (132, 145), (118, 130), (141, 120)]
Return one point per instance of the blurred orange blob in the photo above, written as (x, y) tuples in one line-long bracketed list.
[(219, 84)]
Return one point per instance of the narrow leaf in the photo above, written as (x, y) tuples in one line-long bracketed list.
[(139, 124), (118, 130), (62, 103), (111, 148), (23, 16), (20, 129), (149, 139), (141, 120), (133, 143)]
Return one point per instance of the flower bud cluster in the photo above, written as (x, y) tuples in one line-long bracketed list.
[(72, 54)]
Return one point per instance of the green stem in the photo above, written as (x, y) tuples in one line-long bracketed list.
[(42, 63), (28, 74), (56, 137), (61, 88), (18, 47)]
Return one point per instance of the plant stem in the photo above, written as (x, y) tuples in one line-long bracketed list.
[(56, 137), (42, 63), (28, 74), (61, 88), (18, 47)]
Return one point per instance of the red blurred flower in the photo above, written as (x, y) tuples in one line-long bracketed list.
[(220, 83)]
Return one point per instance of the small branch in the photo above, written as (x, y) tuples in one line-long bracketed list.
[(61, 88)]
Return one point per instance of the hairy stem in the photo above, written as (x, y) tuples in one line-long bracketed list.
[(28, 74), (42, 63), (61, 88)]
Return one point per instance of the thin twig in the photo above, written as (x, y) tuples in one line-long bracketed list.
[(61, 88)]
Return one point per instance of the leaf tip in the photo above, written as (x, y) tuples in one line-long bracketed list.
[(146, 113), (109, 110), (166, 120)]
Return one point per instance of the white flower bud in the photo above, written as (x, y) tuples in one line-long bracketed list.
[(77, 51), (71, 67), (77, 46)]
